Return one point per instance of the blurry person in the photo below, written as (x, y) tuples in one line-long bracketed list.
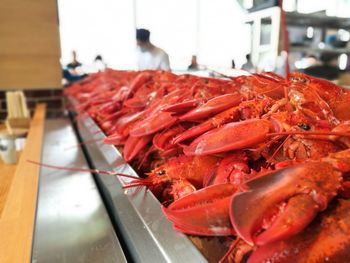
[(311, 60), (150, 56), (194, 65), (248, 66), (327, 70), (233, 64), (71, 72), (70, 75), (99, 64), (75, 63), (281, 63), (305, 61), (266, 63)]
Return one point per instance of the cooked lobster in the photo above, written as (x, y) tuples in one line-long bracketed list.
[(261, 158)]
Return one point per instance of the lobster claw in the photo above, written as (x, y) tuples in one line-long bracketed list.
[(218, 120), (139, 80), (182, 107), (162, 140), (192, 214), (212, 106), (283, 202), (232, 136), (154, 123), (231, 169), (134, 145), (125, 123), (325, 240), (135, 103), (193, 132)]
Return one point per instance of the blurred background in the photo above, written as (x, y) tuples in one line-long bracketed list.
[(215, 31), (212, 30), (48, 44)]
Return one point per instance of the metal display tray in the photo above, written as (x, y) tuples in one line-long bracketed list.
[(143, 230)]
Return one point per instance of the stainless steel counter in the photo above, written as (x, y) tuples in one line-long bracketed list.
[(148, 236), (72, 223)]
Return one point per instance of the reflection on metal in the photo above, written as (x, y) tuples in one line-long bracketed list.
[(147, 234), (72, 223)]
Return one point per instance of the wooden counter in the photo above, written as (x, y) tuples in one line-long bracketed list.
[(20, 197), (7, 172)]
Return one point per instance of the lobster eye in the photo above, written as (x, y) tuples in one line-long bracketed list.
[(304, 126), (160, 172)]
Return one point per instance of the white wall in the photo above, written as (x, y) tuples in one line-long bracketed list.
[(94, 27), (213, 30), (222, 34)]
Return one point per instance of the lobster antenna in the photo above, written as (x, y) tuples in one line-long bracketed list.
[(137, 184), (346, 134), (228, 253), (266, 144), (76, 169)]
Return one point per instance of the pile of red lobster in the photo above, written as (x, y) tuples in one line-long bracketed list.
[(261, 158)]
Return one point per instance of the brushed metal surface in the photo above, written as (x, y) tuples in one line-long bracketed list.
[(72, 223), (147, 233)]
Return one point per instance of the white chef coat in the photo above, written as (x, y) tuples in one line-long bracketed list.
[(155, 58)]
